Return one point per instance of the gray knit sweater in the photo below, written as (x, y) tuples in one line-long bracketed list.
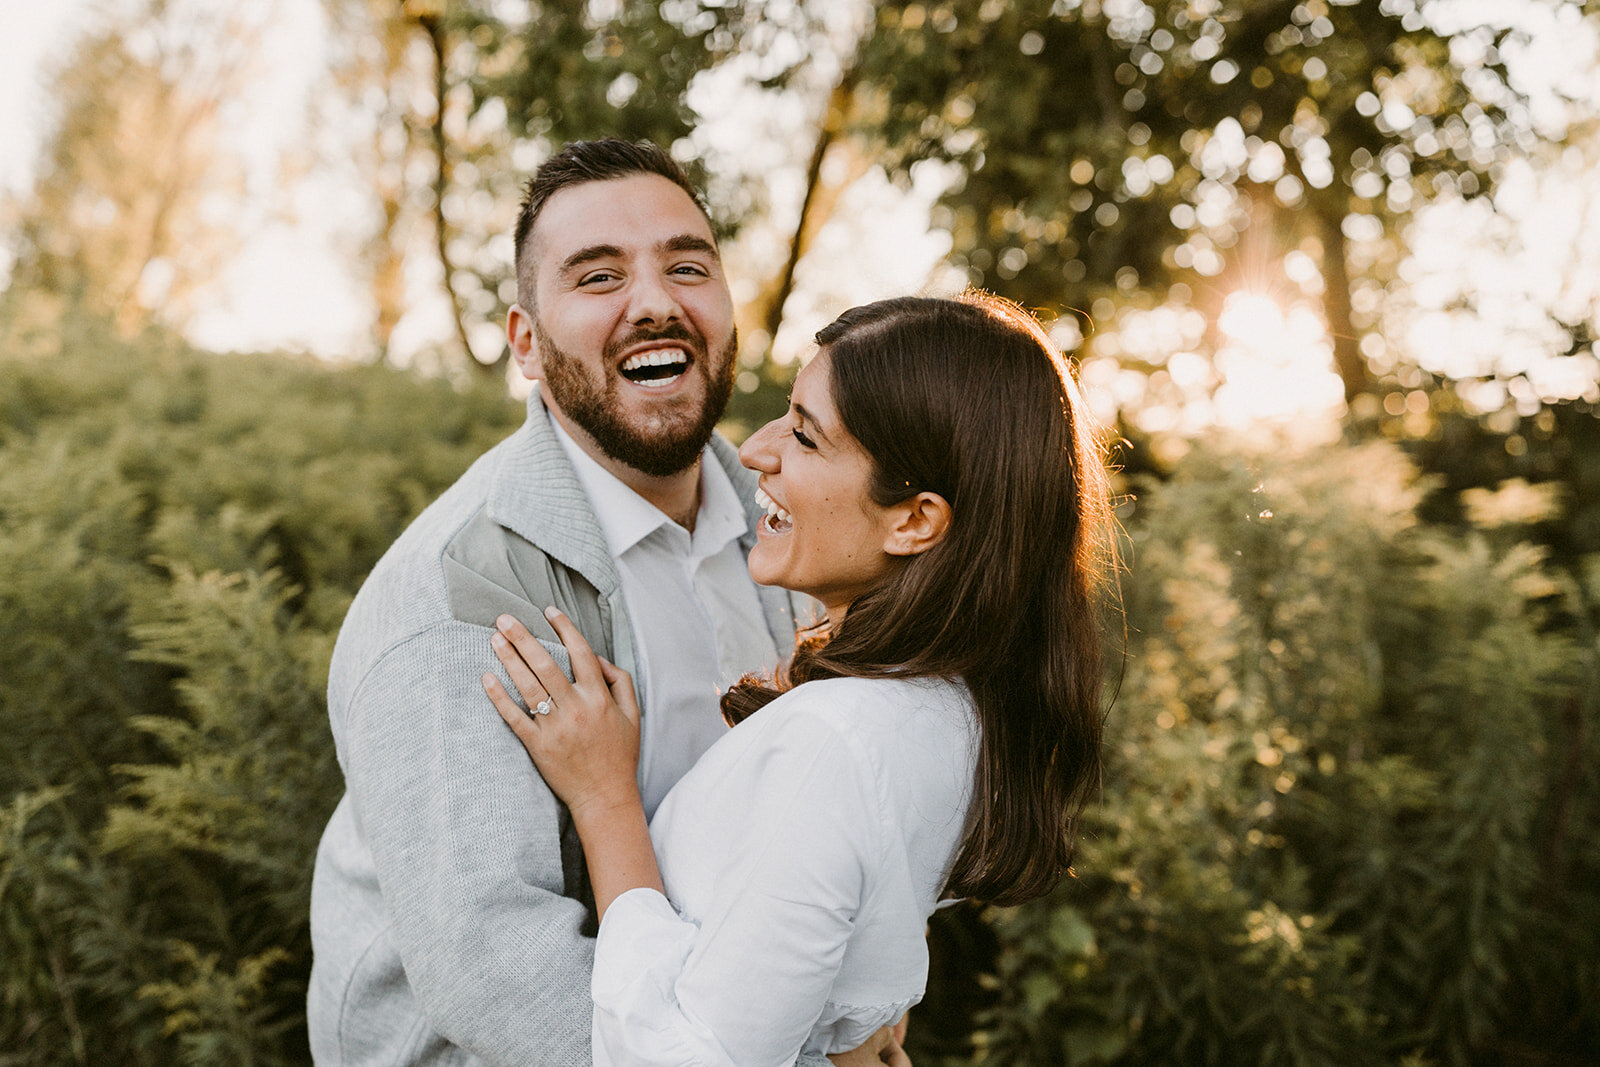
[(447, 908)]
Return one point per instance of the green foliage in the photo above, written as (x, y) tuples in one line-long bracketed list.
[(1114, 158), (1082, 128), (179, 538), (219, 1017), (1350, 812), (1326, 835), (565, 72)]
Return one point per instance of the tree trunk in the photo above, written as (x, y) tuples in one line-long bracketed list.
[(815, 207), (1347, 358), (386, 253), (432, 23)]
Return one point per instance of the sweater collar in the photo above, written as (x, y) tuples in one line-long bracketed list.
[(537, 495)]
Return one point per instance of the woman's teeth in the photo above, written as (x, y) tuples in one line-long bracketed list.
[(655, 368), (777, 520)]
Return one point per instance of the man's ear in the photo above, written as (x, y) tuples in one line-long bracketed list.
[(918, 524), (519, 332)]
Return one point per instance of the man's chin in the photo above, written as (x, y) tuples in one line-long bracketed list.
[(658, 457), (659, 444), (661, 413)]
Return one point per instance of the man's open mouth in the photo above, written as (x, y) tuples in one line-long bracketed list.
[(657, 368)]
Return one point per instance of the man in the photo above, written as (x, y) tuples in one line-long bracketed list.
[(449, 912)]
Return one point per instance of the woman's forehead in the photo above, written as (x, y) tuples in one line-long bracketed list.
[(813, 388)]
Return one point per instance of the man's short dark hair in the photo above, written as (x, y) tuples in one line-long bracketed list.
[(590, 161)]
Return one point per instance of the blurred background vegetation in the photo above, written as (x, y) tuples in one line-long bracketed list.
[(1330, 270)]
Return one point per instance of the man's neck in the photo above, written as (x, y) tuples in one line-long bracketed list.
[(677, 495)]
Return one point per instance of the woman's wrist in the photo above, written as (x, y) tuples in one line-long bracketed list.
[(600, 807), (616, 845)]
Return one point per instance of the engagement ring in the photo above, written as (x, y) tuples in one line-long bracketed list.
[(544, 707)]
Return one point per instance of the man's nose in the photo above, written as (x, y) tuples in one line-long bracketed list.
[(651, 302)]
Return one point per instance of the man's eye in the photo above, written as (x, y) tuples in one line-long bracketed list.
[(805, 442), (598, 277), (691, 269)]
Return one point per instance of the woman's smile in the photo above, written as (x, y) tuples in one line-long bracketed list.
[(823, 534), (778, 521)]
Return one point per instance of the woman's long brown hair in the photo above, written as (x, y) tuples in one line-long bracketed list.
[(968, 398)]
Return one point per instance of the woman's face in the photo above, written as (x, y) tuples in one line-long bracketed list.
[(823, 534)]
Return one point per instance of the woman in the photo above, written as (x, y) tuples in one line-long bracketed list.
[(936, 486)]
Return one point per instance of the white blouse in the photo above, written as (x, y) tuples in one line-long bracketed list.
[(802, 856)]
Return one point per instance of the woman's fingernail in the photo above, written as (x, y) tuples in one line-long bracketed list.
[(552, 612), (504, 622), (498, 640), (488, 681)]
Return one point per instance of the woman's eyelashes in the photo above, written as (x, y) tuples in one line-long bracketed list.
[(805, 442)]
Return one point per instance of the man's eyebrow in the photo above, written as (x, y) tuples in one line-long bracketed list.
[(688, 242), (589, 255)]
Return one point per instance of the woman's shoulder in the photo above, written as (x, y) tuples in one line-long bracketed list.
[(873, 715), (851, 698)]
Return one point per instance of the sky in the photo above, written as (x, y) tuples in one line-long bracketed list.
[(36, 31), (289, 284)]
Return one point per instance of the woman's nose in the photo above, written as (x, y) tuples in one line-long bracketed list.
[(758, 451)]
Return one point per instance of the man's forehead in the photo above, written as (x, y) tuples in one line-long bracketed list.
[(638, 211)]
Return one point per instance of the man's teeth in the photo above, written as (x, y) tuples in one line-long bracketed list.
[(660, 357), (773, 510)]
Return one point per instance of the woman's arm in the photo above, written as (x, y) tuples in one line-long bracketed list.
[(745, 986), (882, 1047), (789, 823), (586, 747)]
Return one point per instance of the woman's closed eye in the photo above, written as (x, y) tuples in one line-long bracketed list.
[(805, 442)]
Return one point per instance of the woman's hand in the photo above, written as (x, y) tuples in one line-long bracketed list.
[(882, 1047), (586, 741)]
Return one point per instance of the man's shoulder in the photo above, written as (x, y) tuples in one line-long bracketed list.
[(419, 550), (406, 593)]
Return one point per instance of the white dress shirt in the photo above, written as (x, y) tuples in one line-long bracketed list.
[(802, 857), (698, 625)]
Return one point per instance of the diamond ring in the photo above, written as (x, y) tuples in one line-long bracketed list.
[(544, 707)]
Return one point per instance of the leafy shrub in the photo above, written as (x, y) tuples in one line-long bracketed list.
[(1329, 774), (1350, 813), (180, 535)]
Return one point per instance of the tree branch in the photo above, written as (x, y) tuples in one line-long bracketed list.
[(835, 119), (432, 23)]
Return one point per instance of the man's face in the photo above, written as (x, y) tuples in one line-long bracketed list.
[(632, 325)]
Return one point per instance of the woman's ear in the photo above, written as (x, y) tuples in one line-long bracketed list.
[(917, 524)]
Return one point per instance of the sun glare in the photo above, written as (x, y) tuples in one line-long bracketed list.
[(1277, 363), (1252, 319)]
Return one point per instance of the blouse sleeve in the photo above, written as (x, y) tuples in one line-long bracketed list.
[(746, 986)]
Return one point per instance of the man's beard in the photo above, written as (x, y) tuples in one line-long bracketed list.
[(668, 449)]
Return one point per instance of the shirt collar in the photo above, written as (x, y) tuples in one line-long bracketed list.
[(722, 514), (626, 518)]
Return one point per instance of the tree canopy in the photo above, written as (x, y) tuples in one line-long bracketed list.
[(1152, 152)]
